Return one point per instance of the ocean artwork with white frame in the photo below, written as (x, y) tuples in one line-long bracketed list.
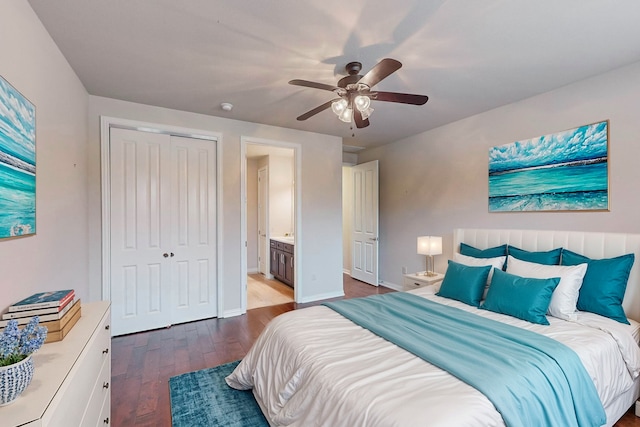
[(17, 163), (564, 171)]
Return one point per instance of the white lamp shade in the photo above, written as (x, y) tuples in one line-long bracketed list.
[(339, 106), (346, 115), (429, 245), (362, 102), (367, 113)]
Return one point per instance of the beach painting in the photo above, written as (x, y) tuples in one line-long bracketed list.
[(17, 163), (564, 171)]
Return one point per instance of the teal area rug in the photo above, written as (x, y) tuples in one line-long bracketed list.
[(203, 398)]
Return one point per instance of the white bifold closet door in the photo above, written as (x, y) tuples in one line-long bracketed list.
[(163, 230)]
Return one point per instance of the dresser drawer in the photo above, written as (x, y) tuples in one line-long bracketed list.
[(101, 389), (104, 420), (413, 283), (70, 405)]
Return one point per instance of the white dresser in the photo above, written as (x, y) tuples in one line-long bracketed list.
[(71, 382)]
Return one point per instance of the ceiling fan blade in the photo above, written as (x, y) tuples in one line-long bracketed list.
[(380, 71), (360, 122), (403, 98), (316, 110), (314, 85)]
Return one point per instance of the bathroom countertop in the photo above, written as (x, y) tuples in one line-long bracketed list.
[(284, 239)]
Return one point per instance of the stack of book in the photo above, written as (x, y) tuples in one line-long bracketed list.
[(58, 311)]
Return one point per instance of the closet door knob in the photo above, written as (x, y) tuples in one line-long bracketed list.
[(171, 254), (165, 255)]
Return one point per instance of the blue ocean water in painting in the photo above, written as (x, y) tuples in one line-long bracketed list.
[(17, 163), (563, 171), (557, 188), (17, 202)]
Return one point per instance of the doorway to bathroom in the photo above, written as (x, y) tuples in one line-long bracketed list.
[(270, 223)]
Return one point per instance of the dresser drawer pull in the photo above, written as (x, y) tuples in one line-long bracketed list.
[(106, 420), (107, 327), (417, 284), (105, 351), (105, 385)]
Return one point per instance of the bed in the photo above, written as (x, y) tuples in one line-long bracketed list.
[(315, 367)]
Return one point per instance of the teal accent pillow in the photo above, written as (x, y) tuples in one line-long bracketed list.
[(464, 283), (603, 285), (551, 257), (469, 250), (522, 297)]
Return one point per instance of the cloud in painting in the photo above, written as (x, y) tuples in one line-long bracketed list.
[(583, 143), (17, 124)]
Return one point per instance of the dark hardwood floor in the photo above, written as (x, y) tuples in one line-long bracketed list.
[(142, 363)]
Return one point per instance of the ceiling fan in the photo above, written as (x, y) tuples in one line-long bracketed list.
[(355, 93)]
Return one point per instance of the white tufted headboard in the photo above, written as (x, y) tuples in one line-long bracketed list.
[(593, 245)]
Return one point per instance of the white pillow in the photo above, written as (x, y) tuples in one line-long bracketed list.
[(496, 262), (565, 296)]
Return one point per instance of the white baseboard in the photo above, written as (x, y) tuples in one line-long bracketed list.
[(253, 270), (232, 313), (322, 296), (346, 271), (391, 285)]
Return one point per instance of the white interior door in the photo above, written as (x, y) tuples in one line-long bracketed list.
[(193, 229), (263, 244), (364, 231), (140, 230), (163, 230)]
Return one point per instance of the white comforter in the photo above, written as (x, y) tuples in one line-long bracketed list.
[(313, 367)]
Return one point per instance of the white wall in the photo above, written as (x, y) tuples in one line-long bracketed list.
[(436, 181), (280, 195), (321, 239), (56, 257)]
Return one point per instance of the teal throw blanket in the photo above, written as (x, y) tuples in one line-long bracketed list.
[(530, 379)]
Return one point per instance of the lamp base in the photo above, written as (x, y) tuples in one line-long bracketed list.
[(429, 273)]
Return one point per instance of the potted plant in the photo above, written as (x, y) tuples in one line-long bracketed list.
[(16, 364)]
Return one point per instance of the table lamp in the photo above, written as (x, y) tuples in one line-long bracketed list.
[(429, 246)]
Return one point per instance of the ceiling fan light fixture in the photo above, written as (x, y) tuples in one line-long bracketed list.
[(353, 94), (362, 102), (366, 113), (346, 115), (339, 106)]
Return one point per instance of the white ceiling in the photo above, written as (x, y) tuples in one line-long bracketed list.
[(468, 56)]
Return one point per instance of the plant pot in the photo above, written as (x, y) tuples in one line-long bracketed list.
[(14, 379)]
